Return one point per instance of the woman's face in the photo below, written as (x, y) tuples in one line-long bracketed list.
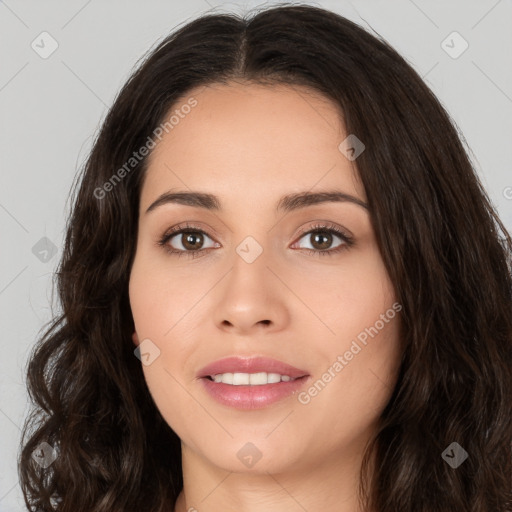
[(258, 283)]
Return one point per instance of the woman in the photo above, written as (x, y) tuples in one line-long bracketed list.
[(283, 288)]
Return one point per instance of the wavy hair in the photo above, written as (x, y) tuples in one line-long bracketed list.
[(446, 251)]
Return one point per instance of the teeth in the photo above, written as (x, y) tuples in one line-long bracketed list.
[(252, 379)]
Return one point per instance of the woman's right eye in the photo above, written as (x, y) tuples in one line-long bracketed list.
[(188, 240), (184, 240)]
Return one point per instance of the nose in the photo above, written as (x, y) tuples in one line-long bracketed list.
[(251, 299)]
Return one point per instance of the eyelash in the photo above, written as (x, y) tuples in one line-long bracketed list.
[(187, 228)]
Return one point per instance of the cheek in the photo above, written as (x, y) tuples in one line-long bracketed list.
[(162, 308), (359, 324), (157, 297), (357, 381), (348, 299), (168, 390)]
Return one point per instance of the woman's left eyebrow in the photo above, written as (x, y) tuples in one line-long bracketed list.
[(286, 204)]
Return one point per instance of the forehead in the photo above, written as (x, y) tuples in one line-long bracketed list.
[(250, 139)]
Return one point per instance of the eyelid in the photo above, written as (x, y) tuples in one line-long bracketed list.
[(319, 224), (324, 224)]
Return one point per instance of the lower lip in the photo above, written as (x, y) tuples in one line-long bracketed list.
[(252, 397)]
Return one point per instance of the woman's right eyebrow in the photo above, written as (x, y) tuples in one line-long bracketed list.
[(286, 204)]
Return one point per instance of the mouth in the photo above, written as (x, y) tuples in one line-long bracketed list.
[(251, 383), (234, 370), (251, 379)]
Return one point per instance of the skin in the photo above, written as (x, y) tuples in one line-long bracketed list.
[(249, 145)]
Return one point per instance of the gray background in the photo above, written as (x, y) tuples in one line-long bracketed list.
[(51, 109)]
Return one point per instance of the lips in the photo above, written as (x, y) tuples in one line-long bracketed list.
[(253, 396), (241, 364)]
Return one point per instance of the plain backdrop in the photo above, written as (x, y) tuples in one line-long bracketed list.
[(51, 108)]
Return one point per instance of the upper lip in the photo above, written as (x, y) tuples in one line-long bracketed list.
[(240, 364)]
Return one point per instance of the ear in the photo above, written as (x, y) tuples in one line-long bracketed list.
[(135, 339)]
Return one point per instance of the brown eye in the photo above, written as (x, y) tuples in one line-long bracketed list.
[(192, 240), (187, 240), (321, 238)]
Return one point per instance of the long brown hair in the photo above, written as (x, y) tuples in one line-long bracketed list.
[(446, 251)]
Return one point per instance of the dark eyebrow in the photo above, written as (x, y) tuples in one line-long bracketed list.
[(286, 203)]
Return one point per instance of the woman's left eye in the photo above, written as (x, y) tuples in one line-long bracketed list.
[(191, 243), (322, 237)]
